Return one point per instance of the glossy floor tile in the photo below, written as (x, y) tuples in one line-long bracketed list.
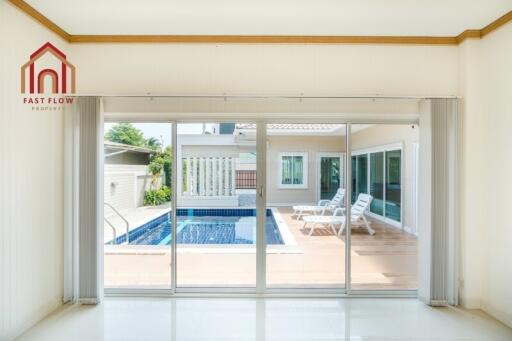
[(241, 319)]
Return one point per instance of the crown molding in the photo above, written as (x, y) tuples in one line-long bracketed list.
[(261, 39), (504, 19), (32, 12)]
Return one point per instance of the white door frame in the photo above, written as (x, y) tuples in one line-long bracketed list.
[(261, 289), (319, 156)]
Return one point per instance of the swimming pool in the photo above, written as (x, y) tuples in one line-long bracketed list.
[(205, 226)]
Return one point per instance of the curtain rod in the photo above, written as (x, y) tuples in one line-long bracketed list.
[(263, 96)]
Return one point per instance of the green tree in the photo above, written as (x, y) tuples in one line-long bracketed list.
[(159, 162), (126, 133), (167, 167), (154, 143)]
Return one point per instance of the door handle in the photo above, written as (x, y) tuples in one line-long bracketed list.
[(260, 191)]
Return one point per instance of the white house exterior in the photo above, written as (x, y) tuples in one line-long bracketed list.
[(211, 163), (126, 177)]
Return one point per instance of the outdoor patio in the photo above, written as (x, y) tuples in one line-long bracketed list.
[(386, 260)]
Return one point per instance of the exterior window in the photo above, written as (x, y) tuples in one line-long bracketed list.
[(377, 182), (393, 184), (359, 175), (378, 172), (293, 170)]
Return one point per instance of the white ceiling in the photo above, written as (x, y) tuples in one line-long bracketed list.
[(272, 17)]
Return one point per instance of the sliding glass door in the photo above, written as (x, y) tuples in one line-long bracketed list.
[(393, 185), (243, 207), (137, 205), (383, 251), (216, 206), (304, 183), (330, 175), (377, 183), (379, 174)]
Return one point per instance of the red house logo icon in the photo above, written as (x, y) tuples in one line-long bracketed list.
[(37, 84)]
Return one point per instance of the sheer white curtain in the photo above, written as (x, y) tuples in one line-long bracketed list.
[(437, 216), (84, 203)]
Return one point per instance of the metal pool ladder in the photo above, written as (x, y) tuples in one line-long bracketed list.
[(112, 226)]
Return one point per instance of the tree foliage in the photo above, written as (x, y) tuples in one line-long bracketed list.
[(126, 133), (154, 143), (160, 160)]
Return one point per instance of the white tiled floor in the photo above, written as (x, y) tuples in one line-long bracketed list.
[(271, 319)]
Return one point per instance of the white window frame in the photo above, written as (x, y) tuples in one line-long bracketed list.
[(305, 163), (383, 149)]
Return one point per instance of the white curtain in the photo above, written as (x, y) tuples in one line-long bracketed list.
[(438, 209), (84, 196)]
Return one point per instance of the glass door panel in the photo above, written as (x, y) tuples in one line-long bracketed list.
[(377, 182), (303, 164), (359, 175), (137, 205), (383, 253), (354, 179), (330, 176), (362, 174), (393, 184), (216, 213)]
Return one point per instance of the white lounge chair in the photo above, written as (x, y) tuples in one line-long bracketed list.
[(329, 221), (323, 205), (357, 217), (357, 214)]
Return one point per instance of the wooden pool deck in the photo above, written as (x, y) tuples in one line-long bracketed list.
[(386, 260)]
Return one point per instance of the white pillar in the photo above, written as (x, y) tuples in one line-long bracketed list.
[(233, 176), (201, 177), (189, 176), (221, 178), (208, 179), (226, 176), (194, 176), (215, 179)]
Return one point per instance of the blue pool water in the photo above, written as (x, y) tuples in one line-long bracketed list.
[(205, 226)]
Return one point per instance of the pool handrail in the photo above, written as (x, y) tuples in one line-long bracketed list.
[(123, 218), (113, 230)]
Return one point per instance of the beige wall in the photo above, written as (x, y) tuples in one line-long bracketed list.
[(31, 186), (486, 84), (266, 69), (379, 135), (310, 144)]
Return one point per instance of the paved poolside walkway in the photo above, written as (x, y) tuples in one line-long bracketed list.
[(136, 217)]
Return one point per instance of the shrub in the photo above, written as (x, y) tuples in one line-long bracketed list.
[(167, 171), (157, 197), (166, 192)]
